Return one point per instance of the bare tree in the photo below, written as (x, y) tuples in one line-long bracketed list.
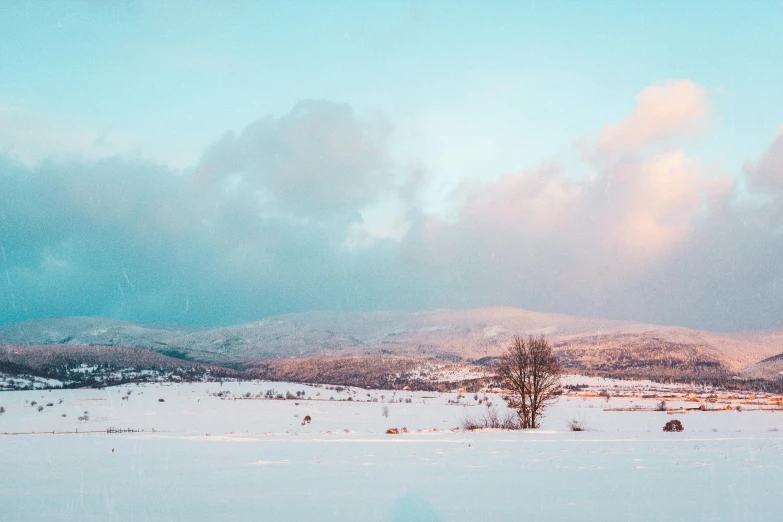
[(531, 373)]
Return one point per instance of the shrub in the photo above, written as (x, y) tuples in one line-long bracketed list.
[(385, 411), (661, 406), (307, 418), (491, 419), (2, 410), (392, 431), (577, 425), (470, 424), (673, 425), (161, 400), (40, 408)]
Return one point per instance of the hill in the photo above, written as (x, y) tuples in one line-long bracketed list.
[(592, 345)]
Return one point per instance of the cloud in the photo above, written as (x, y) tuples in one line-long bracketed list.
[(257, 227), (29, 137), (307, 210), (663, 112), (636, 205), (767, 172), (315, 161)]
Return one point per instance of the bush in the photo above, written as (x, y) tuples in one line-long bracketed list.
[(385, 411), (673, 425), (161, 400), (40, 408), (577, 425), (491, 419), (392, 431), (661, 406), (2, 410)]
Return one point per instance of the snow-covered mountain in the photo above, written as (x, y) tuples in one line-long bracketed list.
[(450, 334)]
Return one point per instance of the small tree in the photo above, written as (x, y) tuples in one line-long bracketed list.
[(531, 373)]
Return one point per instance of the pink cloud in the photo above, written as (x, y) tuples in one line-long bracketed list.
[(536, 201), (663, 111), (637, 207)]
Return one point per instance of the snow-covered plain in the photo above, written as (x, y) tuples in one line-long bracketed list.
[(231, 458)]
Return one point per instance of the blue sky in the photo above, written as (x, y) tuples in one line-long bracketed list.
[(436, 108)]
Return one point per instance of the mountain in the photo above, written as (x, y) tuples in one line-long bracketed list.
[(622, 348), (91, 331)]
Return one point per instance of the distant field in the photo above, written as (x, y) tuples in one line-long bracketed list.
[(216, 453)]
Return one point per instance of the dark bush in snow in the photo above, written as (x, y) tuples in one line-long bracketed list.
[(577, 425), (673, 425)]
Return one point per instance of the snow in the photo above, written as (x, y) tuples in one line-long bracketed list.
[(228, 458)]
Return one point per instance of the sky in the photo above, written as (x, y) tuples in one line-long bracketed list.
[(213, 163)]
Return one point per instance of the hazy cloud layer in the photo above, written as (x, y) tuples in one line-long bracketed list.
[(310, 211)]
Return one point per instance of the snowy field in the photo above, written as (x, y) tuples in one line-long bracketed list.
[(226, 458)]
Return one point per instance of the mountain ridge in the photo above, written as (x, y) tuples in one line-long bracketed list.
[(466, 335)]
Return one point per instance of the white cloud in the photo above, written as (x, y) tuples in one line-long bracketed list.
[(30, 137)]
